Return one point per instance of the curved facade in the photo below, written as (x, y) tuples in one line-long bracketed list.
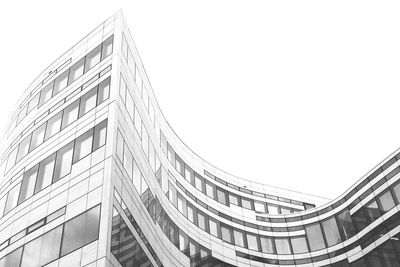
[(93, 175)]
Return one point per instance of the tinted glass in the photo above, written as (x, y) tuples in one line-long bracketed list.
[(345, 224), (53, 125), (76, 71), (299, 244), (386, 201), (93, 58), (252, 242), (239, 238), (267, 245), (12, 198), (88, 102), (314, 236)]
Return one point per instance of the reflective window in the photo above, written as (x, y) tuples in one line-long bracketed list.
[(107, 47), (246, 203), (210, 189), (63, 162), (183, 242), (252, 242), (372, 211), (172, 195), (43, 249), (11, 158), (273, 209), (282, 245), (120, 146), (189, 174), (76, 71), (234, 199), (314, 236), (331, 231), (259, 206), (92, 58), (37, 136), (83, 145), (128, 161), (53, 125), (100, 134), (45, 94), (285, 210), (12, 198), (299, 244), (137, 176), (23, 147), (28, 183), (191, 213), (386, 201), (33, 103), (226, 233), (214, 227), (88, 102), (345, 224), (202, 220), (81, 230), (45, 174), (396, 191), (388, 255), (12, 259), (198, 182), (221, 196), (239, 237), (70, 114), (182, 205), (60, 82), (267, 245), (104, 91), (2, 204)]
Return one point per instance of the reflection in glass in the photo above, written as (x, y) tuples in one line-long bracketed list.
[(386, 201), (28, 183), (83, 145), (299, 244), (282, 245), (70, 114), (226, 234), (314, 236), (63, 162), (12, 198), (88, 102), (331, 231), (45, 174), (345, 224), (93, 58), (37, 136)]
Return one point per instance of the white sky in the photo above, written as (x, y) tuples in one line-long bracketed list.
[(299, 94)]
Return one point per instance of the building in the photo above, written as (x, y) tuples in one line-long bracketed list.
[(92, 175)]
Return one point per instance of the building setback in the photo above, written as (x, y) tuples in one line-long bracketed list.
[(93, 175)]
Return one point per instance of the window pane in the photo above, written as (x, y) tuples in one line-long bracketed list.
[(246, 203), (282, 246), (45, 174), (239, 238), (12, 259), (53, 125), (138, 122), (12, 198), (372, 211), (81, 230), (299, 244), (266, 244), (88, 102), (2, 205), (202, 220), (210, 189), (315, 237), (107, 47), (226, 234), (23, 147), (221, 196), (83, 145), (104, 91), (191, 213), (60, 82), (92, 58), (70, 114), (76, 71), (100, 133), (198, 182), (252, 242), (128, 161), (360, 219), (233, 199), (120, 146), (28, 184), (11, 158), (189, 174), (38, 136), (130, 106), (214, 227), (43, 249), (182, 205), (259, 206), (345, 224), (33, 103), (386, 201), (137, 176), (331, 232), (45, 94), (145, 141), (122, 89), (63, 162)]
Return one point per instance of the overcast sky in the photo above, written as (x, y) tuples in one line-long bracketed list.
[(298, 94)]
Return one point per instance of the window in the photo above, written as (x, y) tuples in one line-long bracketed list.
[(214, 227), (189, 174), (70, 114), (12, 259), (183, 242), (267, 245), (273, 209), (396, 192), (145, 141), (386, 201), (63, 162), (12, 198), (120, 146), (83, 145), (124, 47), (45, 94), (92, 58), (372, 211), (246, 203), (137, 176), (202, 221), (60, 82), (45, 174), (285, 210), (221, 196), (172, 195), (191, 213), (81, 230), (23, 147), (88, 102), (299, 244), (331, 231), (53, 125), (107, 47), (314, 236), (43, 249), (198, 182), (128, 161), (234, 199), (28, 184), (76, 71), (100, 134), (252, 242), (104, 91), (38, 136), (282, 245), (182, 205), (11, 158), (138, 122), (259, 206), (345, 224), (122, 89), (2, 205), (130, 106), (239, 237), (210, 189), (226, 233), (33, 103)]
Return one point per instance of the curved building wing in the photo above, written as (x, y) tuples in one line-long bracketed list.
[(93, 175)]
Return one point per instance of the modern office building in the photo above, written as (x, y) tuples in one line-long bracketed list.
[(93, 175)]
